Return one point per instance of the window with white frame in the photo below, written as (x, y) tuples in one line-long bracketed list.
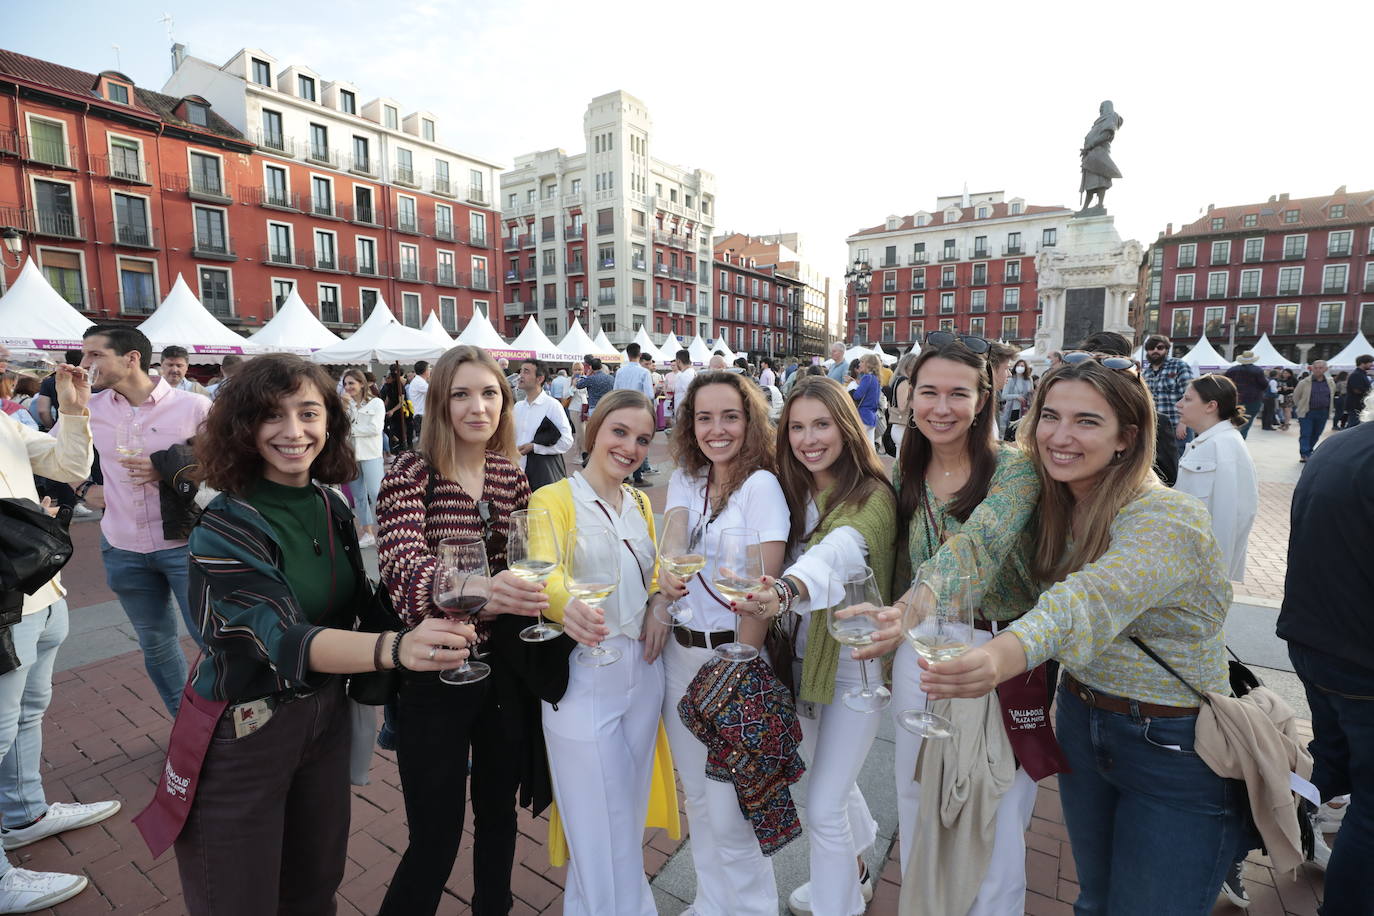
[(279, 247), (1216, 284), (410, 309), (1247, 321), (446, 276), (976, 326), (206, 176), (262, 72), (1369, 277), (1250, 282), (1011, 298), (281, 291), (137, 286), (406, 218), (1011, 327), (477, 228), (1290, 281), (1286, 319), (918, 304), (946, 303), (322, 195), (1330, 317), (329, 304), (861, 309), (1254, 250), (48, 141), (1221, 252), (126, 158), (1182, 326), (131, 221), (391, 118), (410, 263), (1187, 255), (978, 300), (326, 250), (1013, 272), (889, 305), (65, 272), (1213, 317), (1338, 244), (212, 235), (1294, 247), (443, 222), (479, 273), (1334, 277), (367, 301), (448, 313), (1183, 286)]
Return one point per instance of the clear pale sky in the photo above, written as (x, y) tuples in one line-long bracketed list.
[(824, 118)]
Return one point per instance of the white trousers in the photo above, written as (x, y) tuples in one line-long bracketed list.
[(840, 827), (1003, 891), (734, 878), (601, 753)]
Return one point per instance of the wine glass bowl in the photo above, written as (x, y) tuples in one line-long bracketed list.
[(457, 593), (858, 592), (938, 623), (129, 439), (681, 552), (591, 571), (738, 574), (532, 555)]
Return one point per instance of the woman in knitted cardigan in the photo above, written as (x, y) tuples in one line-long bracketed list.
[(844, 517)]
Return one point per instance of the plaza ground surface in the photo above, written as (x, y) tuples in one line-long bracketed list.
[(106, 732)]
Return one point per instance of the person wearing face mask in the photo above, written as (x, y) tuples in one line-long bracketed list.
[(723, 447), (1121, 557), (843, 519), (279, 580), (1016, 394)]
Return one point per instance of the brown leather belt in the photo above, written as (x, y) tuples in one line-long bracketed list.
[(1122, 705), (696, 639), (980, 624)]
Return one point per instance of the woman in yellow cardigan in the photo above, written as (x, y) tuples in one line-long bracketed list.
[(601, 735)]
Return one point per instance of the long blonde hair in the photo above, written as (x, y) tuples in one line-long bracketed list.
[(363, 384), (438, 438), (756, 451), (1125, 479)]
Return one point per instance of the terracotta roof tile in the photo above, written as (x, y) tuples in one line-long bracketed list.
[(1312, 214), (999, 211)]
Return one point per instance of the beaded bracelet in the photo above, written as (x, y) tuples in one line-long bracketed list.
[(784, 598), (396, 649)]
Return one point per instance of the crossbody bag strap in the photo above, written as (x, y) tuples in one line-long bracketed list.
[(1170, 668), (626, 541)]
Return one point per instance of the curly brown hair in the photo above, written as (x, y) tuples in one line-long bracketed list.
[(756, 451), (226, 446)]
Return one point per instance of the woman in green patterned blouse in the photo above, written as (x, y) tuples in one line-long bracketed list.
[(1153, 829)]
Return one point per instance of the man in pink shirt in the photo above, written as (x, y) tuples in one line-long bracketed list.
[(133, 416)]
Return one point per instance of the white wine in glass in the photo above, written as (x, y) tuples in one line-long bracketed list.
[(591, 569), (739, 573), (681, 552), (938, 622), (129, 440), (532, 555), (858, 591)]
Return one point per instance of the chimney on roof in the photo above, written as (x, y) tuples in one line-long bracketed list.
[(1283, 196), (1340, 190), (1209, 207), (178, 55), (1169, 229), (1273, 199)]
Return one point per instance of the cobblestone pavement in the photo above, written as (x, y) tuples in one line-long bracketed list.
[(106, 732)]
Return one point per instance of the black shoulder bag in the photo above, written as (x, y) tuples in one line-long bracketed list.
[(33, 548)]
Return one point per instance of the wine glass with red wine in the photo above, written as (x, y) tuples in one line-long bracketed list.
[(460, 592)]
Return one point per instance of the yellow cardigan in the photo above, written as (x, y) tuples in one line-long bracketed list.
[(557, 499)]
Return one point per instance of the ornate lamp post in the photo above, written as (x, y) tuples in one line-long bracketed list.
[(14, 246)]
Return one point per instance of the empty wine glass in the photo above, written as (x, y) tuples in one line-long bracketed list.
[(858, 591), (591, 571), (681, 551), (739, 573), (129, 439), (938, 622), (532, 552), (460, 592)]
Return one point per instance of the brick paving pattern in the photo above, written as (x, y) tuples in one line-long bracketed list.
[(106, 732)]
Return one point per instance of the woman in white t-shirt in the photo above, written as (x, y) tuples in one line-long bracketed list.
[(723, 447), (1217, 467), (367, 414)]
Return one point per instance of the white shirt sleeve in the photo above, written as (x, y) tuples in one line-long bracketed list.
[(554, 411), (841, 552), (765, 507)]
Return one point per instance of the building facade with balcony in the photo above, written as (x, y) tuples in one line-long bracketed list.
[(349, 199), (807, 321), (968, 266), (756, 304), (613, 236), (1300, 270), (117, 189)]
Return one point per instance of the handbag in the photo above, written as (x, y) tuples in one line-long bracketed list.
[(33, 546)]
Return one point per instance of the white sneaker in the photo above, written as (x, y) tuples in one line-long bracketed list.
[(799, 901), (81, 510), (367, 540), (1321, 853), (24, 891), (61, 817)]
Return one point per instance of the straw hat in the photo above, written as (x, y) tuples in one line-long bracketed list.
[(1247, 357)]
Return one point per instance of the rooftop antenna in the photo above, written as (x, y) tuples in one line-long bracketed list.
[(168, 21), (119, 65)]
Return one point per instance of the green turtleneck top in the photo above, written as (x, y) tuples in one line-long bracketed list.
[(313, 561)]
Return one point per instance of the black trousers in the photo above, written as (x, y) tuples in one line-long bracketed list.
[(437, 726)]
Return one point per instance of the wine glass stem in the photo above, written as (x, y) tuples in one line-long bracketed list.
[(863, 677)]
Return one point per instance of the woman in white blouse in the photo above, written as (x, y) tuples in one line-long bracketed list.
[(723, 447), (601, 733), (1217, 468), (367, 414)]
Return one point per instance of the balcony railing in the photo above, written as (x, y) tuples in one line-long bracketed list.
[(606, 264), (1290, 289), (919, 257), (444, 275), (320, 206), (1010, 251), (326, 260), (1246, 291), (576, 267), (405, 175), (277, 143), (549, 270), (289, 257), (408, 270), (122, 167), (948, 283), (979, 254), (1295, 255), (510, 243), (444, 231), (550, 302), (1216, 294), (478, 240), (605, 230), (949, 254), (516, 307), (1183, 295), (209, 188), (1338, 251), (479, 280), (1333, 289), (407, 224), (219, 306), (527, 240), (361, 214), (574, 232), (546, 235), (442, 186), (889, 261), (48, 152), (477, 195), (363, 267), (54, 223), (529, 273), (361, 165), (133, 235), (221, 249), (661, 303), (274, 198), (660, 269), (1011, 277), (322, 155)]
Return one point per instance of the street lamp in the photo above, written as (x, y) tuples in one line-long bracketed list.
[(861, 275), (14, 245)]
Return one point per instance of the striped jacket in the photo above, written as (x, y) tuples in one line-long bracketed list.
[(257, 638)]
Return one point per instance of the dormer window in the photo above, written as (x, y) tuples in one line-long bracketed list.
[(1336, 211), (348, 102), (262, 72), (390, 116), (1015, 208), (306, 87), (198, 114), (426, 129), (117, 92), (982, 212)]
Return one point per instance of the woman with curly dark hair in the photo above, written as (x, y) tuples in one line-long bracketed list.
[(278, 582)]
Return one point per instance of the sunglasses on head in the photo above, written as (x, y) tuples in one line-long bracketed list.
[(1119, 363), (944, 338)]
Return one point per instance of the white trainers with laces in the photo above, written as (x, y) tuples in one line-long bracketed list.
[(61, 816), (799, 901), (24, 891), (367, 540)]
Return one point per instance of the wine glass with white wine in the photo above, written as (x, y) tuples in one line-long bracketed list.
[(532, 555), (738, 574), (858, 591), (591, 572), (938, 622), (681, 552), (129, 439)]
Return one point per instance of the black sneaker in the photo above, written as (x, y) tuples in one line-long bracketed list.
[(1234, 887)]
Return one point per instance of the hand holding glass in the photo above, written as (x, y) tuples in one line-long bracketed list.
[(938, 622), (680, 551), (859, 593), (591, 570), (462, 565), (532, 552), (129, 439), (739, 573)]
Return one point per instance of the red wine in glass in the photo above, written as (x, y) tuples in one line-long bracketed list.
[(464, 609)]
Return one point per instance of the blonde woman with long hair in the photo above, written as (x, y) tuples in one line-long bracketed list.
[(366, 416)]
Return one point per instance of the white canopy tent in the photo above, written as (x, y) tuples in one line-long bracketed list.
[(383, 339), (701, 354), (182, 321), (647, 345), (479, 333), (577, 344), (887, 358), (435, 328), (34, 317), (1345, 359), (1204, 357), (294, 329), (1269, 357), (538, 343), (604, 345), (725, 351)]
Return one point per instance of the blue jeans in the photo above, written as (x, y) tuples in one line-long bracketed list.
[(24, 696), (1341, 695), (145, 584), (1310, 429), (1252, 410), (1153, 829), (365, 490)]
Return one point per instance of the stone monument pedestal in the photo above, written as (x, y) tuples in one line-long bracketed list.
[(1085, 282)]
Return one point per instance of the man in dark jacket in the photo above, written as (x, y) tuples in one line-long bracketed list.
[(1328, 621), (1357, 389), (1250, 387)]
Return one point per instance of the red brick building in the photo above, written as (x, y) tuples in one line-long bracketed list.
[(1301, 271), (967, 266), (118, 189), (757, 307)]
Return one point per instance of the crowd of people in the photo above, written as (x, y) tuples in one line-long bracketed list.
[(541, 638)]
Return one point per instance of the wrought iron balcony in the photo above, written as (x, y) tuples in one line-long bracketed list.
[(949, 254), (122, 166), (442, 186), (219, 249), (134, 235)]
